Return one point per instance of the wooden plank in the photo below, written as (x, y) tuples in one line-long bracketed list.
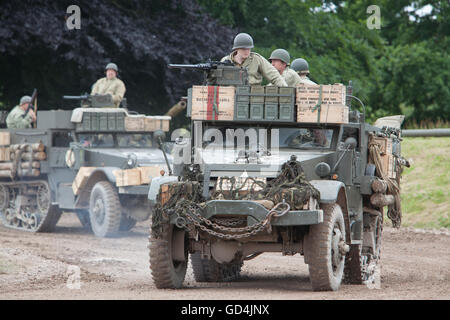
[(128, 177), (147, 173), (81, 178), (5, 154)]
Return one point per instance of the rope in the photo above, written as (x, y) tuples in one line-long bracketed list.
[(394, 211)]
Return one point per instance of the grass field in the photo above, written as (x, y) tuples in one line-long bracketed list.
[(425, 186)]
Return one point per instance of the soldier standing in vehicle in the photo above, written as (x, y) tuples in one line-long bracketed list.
[(19, 118), (281, 59), (302, 68), (110, 84), (257, 66)]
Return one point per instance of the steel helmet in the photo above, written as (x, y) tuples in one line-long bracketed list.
[(112, 66), (300, 65), (282, 55), (243, 40), (25, 99)]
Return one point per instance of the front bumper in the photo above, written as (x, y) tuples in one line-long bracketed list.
[(255, 213)]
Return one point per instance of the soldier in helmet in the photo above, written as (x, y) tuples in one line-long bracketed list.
[(280, 59), (110, 84), (19, 117), (302, 68), (257, 66)]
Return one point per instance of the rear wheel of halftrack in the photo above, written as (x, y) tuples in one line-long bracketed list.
[(169, 257), (104, 210), (325, 250), (208, 270)]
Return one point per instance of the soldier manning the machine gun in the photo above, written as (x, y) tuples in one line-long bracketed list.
[(302, 68), (110, 85), (281, 59), (257, 66), (22, 116)]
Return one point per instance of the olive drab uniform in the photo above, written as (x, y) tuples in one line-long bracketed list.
[(15, 119), (291, 77), (115, 87), (305, 80), (258, 67)]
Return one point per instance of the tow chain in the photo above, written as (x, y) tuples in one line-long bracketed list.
[(208, 226)]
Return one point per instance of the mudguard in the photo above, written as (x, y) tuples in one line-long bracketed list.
[(329, 189), (156, 183)]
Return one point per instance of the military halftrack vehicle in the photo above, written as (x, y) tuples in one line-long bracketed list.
[(267, 169), (95, 161)]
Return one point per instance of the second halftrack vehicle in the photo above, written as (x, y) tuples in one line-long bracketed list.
[(290, 170), (95, 161)]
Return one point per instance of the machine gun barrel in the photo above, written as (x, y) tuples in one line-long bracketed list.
[(84, 97), (199, 66)]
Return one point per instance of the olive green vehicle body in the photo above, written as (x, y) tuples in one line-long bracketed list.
[(61, 138), (341, 172)]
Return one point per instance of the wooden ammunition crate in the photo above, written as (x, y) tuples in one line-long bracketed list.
[(213, 103), (308, 95), (328, 114), (129, 177), (153, 123), (5, 139), (135, 123)]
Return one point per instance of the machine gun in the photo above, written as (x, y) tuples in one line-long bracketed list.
[(218, 73), (93, 101)]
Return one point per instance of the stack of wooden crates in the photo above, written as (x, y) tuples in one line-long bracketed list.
[(314, 103)]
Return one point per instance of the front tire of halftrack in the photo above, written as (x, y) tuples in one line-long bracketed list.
[(324, 249), (167, 273), (104, 210), (208, 270)]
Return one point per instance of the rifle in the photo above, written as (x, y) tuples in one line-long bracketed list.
[(31, 103)]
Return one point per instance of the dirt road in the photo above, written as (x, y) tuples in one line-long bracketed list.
[(415, 265)]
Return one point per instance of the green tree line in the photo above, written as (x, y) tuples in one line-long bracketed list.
[(401, 68)]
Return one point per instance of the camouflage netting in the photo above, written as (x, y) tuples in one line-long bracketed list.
[(185, 197)]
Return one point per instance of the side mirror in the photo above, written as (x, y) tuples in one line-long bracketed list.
[(350, 143), (159, 136)]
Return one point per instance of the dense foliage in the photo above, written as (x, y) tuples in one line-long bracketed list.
[(403, 67), (38, 51)]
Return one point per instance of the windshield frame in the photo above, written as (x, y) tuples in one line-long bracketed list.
[(115, 136), (223, 126)]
